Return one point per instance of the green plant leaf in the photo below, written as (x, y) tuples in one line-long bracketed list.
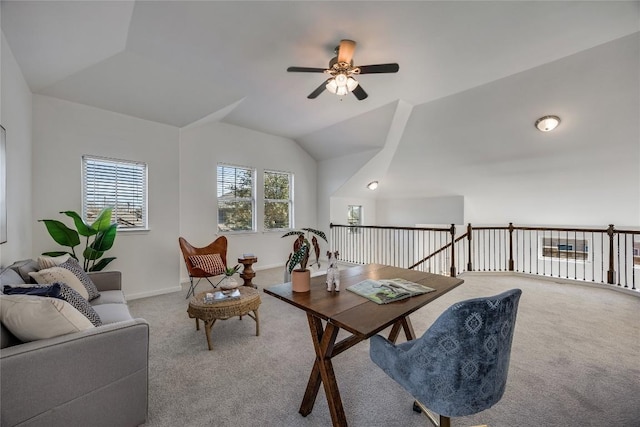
[(81, 226), (62, 234), (56, 253), (91, 254), (293, 233), (103, 222), (102, 264), (297, 257), (104, 239)]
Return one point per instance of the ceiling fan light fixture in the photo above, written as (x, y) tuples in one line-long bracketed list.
[(341, 84), (351, 83), (547, 123)]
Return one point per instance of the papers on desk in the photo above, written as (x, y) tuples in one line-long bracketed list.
[(388, 290)]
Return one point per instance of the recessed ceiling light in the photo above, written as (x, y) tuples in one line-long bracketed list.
[(547, 123), (372, 185)]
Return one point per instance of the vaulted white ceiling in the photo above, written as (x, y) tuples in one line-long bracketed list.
[(178, 62)]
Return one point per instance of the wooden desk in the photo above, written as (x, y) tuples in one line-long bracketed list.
[(357, 315)]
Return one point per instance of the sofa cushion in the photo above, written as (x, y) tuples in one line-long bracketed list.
[(32, 318), (35, 290), (57, 290), (45, 261), (9, 276), (73, 266), (211, 263), (109, 297), (24, 267), (60, 275), (111, 313)]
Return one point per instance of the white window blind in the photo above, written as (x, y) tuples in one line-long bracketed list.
[(236, 200), (120, 184)]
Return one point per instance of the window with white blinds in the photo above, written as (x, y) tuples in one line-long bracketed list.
[(236, 198), (120, 184)]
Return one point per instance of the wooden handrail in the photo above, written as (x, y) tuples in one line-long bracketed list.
[(444, 248), (611, 259)]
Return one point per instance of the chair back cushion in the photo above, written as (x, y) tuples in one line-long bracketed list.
[(459, 366), (211, 263), (218, 246)]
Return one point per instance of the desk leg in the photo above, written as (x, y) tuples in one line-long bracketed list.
[(323, 343), (405, 324)]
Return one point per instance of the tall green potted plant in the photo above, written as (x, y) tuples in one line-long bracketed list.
[(99, 238), (301, 277)]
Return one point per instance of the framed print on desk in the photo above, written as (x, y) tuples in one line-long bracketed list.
[(3, 186)]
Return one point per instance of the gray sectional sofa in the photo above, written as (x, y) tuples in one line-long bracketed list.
[(95, 377)]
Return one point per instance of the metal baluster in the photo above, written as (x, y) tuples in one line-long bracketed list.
[(626, 258)]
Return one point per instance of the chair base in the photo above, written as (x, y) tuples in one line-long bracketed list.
[(436, 420), (192, 287)]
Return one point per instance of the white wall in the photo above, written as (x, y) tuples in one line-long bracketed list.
[(201, 149), (332, 174), (62, 132), (482, 144), (16, 119), (429, 210), (339, 207)]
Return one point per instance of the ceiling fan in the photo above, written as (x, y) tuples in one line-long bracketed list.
[(342, 71)]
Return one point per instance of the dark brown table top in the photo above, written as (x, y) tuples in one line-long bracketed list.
[(357, 314)]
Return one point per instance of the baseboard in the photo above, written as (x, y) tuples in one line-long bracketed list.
[(153, 293)]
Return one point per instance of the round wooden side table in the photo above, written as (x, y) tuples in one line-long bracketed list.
[(247, 272), (209, 312)]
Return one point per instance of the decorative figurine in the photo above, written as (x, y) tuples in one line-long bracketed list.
[(333, 275)]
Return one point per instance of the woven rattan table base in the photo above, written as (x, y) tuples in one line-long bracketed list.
[(247, 304)]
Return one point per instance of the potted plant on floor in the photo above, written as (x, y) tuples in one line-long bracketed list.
[(301, 277), (99, 237)]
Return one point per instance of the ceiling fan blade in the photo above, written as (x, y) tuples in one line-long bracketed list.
[(305, 70), (379, 68), (359, 93), (345, 51), (318, 90)]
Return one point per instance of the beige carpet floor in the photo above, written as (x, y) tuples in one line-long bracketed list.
[(575, 362)]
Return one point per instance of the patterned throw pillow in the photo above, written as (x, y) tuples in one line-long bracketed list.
[(69, 294), (211, 263), (73, 266), (51, 261), (60, 275)]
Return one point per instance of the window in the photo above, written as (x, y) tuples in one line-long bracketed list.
[(120, 184), (354, 217), (236, 204), (278, 202)]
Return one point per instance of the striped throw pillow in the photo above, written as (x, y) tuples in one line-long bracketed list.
[(211, 263)]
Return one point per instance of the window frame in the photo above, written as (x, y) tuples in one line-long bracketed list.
[(252, 199), (354, 226), (144, 185), (289, 201)]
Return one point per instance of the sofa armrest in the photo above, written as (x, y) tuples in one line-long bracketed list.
[(75, 378), (107, 280)]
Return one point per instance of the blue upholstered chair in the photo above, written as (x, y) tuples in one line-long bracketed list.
[(459, 366)]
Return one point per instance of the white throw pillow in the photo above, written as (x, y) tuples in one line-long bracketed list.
[(52, 261), (32, 318), (60, 275)]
